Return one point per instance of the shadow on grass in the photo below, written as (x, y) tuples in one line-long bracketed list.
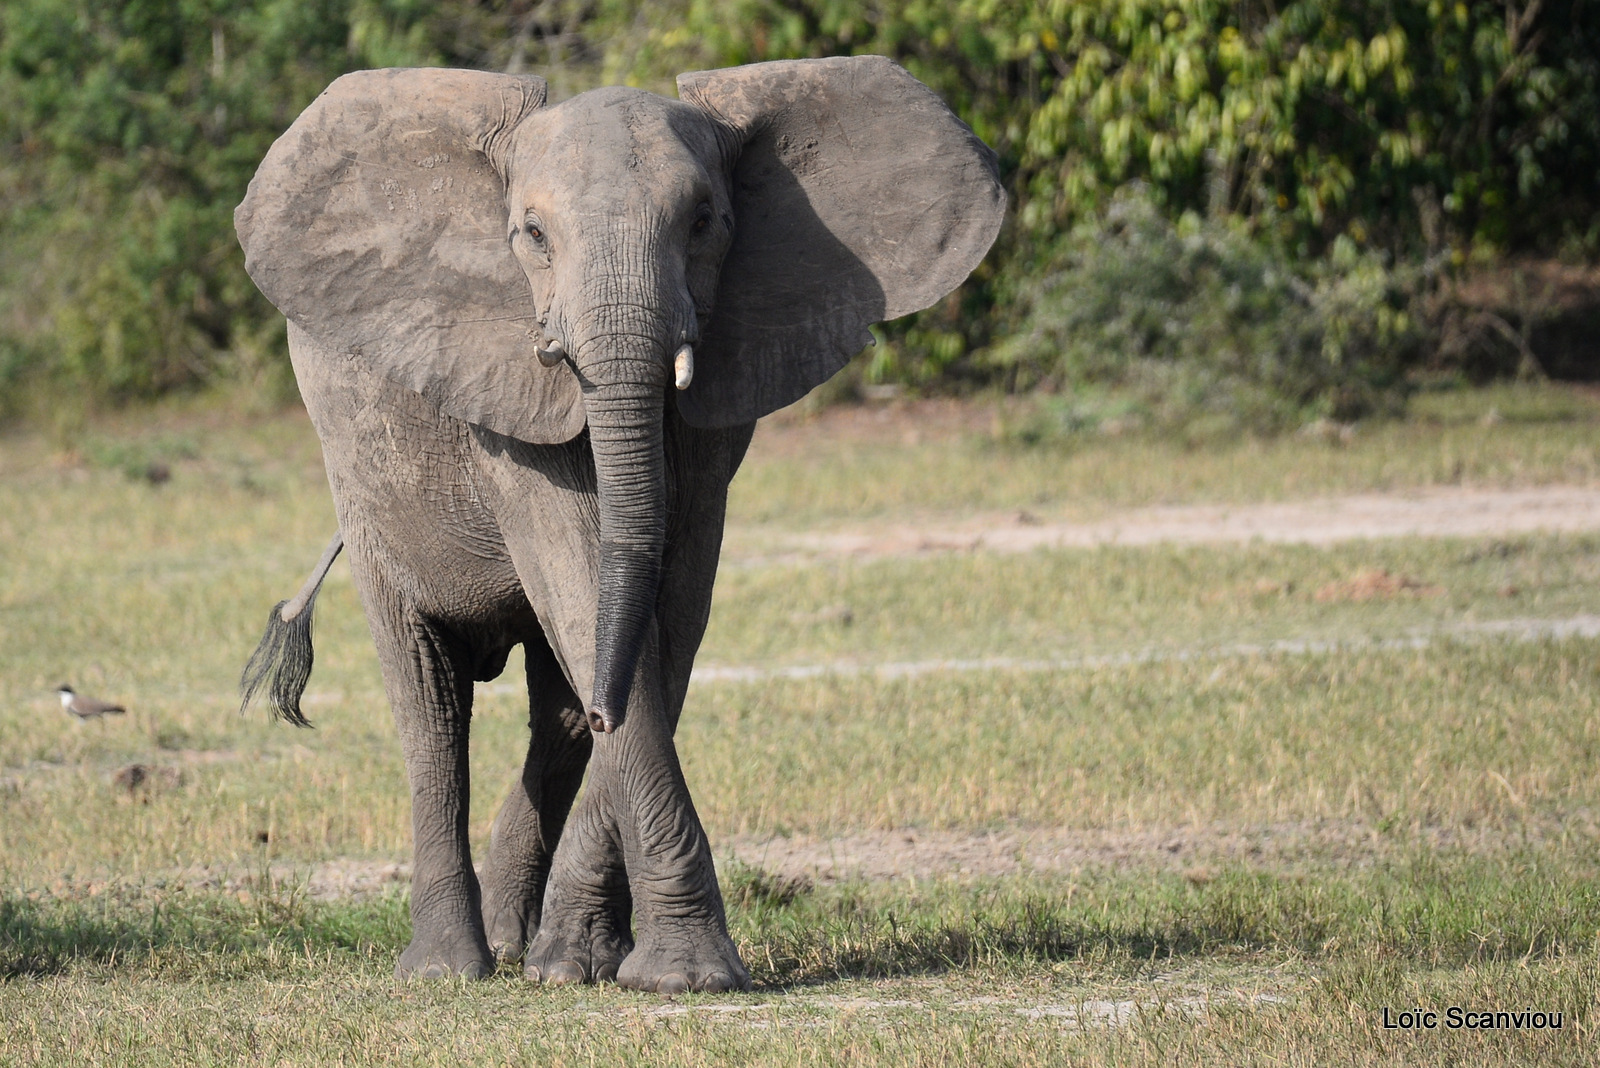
[(183, 932), (1430, 911), (1434, 910)]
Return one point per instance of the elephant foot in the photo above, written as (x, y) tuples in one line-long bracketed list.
[(508, 929), (441, 957), (576, 953), (678, 961)]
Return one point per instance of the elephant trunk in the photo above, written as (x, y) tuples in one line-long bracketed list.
[(624, 393)]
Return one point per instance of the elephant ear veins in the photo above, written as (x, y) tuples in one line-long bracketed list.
[(858, 196), (377, 224)]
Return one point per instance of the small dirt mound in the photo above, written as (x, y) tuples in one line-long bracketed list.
[(1376, 585), (145, 778)]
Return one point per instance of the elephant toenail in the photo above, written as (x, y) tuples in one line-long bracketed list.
[(716, 983), (531, 973), (673, 983), (606, 973), (563, 972)]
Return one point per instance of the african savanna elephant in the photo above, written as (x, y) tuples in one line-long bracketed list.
[(534, 340)]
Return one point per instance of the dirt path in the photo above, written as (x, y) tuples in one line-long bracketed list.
[(1509, 630), (1198, 852), (1434, 513)]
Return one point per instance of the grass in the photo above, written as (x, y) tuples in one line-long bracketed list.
[(902, 463), (1428, 812), (1111, 599), (1499, 737), (1459, 736), (1016, 972)]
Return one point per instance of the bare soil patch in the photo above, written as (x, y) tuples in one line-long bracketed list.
[(345, 877), (1377, 585), (1448, 512), (1198, 852)]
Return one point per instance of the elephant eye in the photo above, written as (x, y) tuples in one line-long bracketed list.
[(702, 220), (535, 250)]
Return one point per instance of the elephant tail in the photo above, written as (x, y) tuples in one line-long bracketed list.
[(285, 655)]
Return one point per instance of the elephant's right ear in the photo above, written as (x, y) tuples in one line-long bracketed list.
[(377, 223)]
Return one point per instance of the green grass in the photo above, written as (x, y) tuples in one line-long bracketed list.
[(1459, 735), (899, 468), (1432, 809), (1111, 600), (855, 974)]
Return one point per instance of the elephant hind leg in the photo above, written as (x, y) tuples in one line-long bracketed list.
[(586, 932), (427, 672), (583, 932), (530, 822)]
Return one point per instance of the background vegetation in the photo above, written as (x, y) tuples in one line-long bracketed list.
[(1298, 192)]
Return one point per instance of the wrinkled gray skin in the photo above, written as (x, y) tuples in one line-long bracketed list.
[(425, 231)]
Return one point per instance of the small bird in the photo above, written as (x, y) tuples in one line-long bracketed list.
[(86, 708)]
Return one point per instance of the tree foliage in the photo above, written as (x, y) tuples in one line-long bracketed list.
[(1412, 128), (131, 130), (1321, 117)]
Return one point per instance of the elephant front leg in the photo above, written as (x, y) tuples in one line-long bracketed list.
[(682, 942), (430, 689), (637, 795)]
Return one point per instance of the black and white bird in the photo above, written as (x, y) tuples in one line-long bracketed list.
[(86, 708)]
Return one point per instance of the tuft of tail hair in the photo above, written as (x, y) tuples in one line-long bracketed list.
[(282, 662)]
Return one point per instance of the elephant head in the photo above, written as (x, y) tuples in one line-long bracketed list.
[(534, 269)]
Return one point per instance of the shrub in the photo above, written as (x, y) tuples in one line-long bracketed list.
[(1199, 324)]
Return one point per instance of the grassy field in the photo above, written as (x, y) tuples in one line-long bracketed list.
[(882, 462), (1419, 819)]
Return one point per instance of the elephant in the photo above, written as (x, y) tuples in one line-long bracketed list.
[(534, 340)]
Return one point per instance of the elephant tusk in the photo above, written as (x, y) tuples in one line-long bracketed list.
[(683, 367), (551, 353)]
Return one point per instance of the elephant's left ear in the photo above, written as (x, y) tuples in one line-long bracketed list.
[(858, 196)]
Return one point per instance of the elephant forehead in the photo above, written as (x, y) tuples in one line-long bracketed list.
[(614, 148)]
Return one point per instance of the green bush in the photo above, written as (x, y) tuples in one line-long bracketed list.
[(129, 131), (1198, 324), (1401, 125)]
